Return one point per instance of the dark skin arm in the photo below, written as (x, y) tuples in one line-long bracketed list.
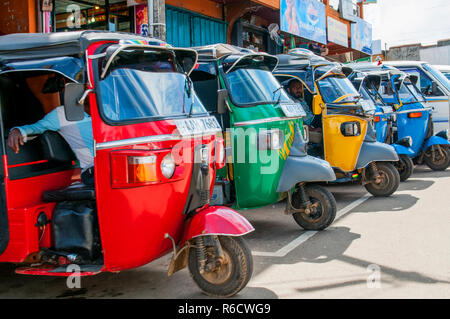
[(15, 140)]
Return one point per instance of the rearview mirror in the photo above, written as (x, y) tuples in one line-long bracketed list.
[(73, 92), (222, 96)]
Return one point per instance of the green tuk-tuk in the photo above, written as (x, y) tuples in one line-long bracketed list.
[(265, 137)]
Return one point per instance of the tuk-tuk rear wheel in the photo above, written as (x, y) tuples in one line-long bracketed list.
[(437, 158), (231, 275), (323, 213), (405, 167), (389, 180)]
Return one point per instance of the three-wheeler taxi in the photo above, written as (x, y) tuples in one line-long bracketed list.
[(347, 138), (265, 138), (384, 117), (413, 117), (155, 154)]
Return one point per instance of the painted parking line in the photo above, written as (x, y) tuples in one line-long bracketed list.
[(283, 251)]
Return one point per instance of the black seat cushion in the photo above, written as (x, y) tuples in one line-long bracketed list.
[(74, 192)]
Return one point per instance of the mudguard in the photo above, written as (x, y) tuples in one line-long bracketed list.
[(216, 220), (403, 150), (304, 169), (434, 140), (300, 167), (375, 152)]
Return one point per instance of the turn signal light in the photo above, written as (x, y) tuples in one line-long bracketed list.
[(142, 169), (415, 115)]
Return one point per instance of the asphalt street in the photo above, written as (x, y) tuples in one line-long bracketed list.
[(396, 247)]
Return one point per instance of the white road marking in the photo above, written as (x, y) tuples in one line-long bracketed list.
[(283, 251)]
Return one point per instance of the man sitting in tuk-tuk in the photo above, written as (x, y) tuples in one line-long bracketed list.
[(295, 90), (77, 134)]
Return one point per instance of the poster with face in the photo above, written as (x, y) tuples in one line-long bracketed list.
[(304, 18), (362, 36), (142, 20)]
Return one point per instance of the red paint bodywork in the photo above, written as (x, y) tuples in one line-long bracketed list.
[(133, 219), (216, 220)]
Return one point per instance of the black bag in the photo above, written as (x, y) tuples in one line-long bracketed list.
[(75, 228)]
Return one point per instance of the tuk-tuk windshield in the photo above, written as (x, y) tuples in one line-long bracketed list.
[(255, 86), (337, 89), (407, 93), (143, 84)]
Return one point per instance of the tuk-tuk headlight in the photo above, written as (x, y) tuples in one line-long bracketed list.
[(168, 166), (443, 134), (351, 129), (270, 139), (405, 141)]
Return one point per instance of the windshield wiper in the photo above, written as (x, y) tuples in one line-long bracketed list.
[(279, 96)]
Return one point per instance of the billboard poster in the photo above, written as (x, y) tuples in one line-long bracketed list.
[(304, 18), (362, 36), (337, 32), (142, 27)]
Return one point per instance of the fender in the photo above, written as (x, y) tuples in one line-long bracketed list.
[(375, 152), (434, 140), (216, 220), (403, 150), (304, 169)]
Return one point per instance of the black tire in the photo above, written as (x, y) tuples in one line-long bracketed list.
[(405, 167), (238, 273), (390, 181), (326, 208), (437, 162)]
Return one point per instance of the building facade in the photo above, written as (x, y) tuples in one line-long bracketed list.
[(272, 26)]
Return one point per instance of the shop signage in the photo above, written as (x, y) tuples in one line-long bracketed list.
[(142, 27), (362, 36), (337, 32), (304, 18), (346, 10)]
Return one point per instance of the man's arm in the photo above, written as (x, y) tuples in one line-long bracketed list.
[(18, 135)]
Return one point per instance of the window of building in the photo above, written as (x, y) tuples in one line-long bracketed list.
[(112, 15)]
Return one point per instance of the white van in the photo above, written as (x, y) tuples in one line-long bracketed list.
[(445, 69), (434, 85)]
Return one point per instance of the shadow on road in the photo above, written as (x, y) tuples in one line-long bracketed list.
[(393, 273), (415, 184), (423, 171), (393, 203)]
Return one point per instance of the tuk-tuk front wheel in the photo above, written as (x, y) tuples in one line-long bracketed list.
[(437, 158), (322, 208), (387, 181), (224, 276), (405, 167)]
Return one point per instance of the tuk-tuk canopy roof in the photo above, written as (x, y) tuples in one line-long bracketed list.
[(31, 46), (216, 51), (300, 59)]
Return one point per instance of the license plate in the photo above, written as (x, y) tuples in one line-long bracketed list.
[(198, 126), (293, 110)]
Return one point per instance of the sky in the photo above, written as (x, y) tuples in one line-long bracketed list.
[(398, 22)]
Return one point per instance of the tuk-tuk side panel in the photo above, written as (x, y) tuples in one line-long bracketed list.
[(342, 151), (257, 172), (133, 221), (24, 204), (414, 127)]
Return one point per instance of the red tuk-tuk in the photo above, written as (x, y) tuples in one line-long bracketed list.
[(155, 155)]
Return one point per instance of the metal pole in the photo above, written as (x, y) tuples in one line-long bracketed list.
[(158, 23)]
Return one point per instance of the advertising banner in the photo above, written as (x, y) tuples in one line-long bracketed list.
[(142, 27), (304, 18), (337, 32), (362, 36)]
